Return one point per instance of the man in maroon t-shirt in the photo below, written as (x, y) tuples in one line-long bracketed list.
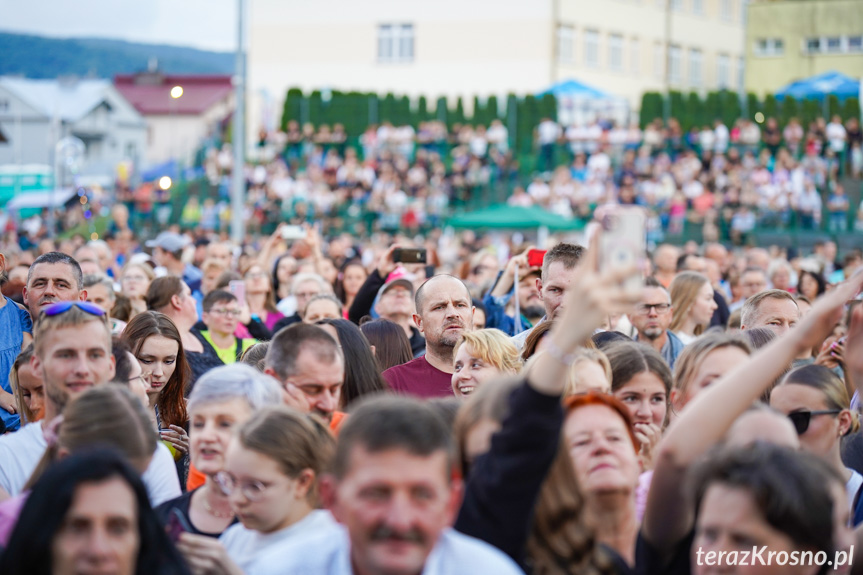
[(444, 312)]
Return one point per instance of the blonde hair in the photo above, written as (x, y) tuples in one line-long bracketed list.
[(295, 441), (580, 356), (27, 414), (148, 271), (106, 415), (73, 317), (684, 291), (694, 354), (493, 347)]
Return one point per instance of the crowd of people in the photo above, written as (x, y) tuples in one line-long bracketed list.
[(313, 404)]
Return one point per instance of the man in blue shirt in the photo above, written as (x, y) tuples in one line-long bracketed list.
[(16, 330)]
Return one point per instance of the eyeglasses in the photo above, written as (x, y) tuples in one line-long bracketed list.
[(256, 275), (253, 490), (801, 419), (142, 378), (135, 278), (644, 309), (64, 306), (226, 312)]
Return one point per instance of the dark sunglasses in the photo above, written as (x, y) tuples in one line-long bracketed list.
[(801, 419), (64, 306)]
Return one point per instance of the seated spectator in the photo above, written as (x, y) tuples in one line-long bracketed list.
[(481, 355)]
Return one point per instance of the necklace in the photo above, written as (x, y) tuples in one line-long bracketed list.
[(213, 512)]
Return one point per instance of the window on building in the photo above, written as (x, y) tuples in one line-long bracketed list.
[(855, 43), (725, 9), (615, 52), (834, 44), (658, 61), (698, 7), (674, 64), (695, 75), (769, 47), (635, 56), (396, 43), (591, 48), (723, 71), (676, 5), (813, 45), (564, 44)]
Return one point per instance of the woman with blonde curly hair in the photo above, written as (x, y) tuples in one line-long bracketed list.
[(480, 355)]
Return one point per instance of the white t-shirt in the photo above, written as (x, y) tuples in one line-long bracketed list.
[(247, 547), (328, 553), (21, 451)]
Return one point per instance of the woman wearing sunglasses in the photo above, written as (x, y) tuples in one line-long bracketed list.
[(817, 403), (270, 476)]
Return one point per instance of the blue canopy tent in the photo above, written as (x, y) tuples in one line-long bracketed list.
[(820, 86), (580, 103)]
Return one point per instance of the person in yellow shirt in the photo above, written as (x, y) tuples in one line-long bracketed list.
[(221, 314)]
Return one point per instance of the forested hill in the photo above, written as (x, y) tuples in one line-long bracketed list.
[(43, 57)]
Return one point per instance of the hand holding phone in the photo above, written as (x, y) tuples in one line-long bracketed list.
[(238, 288), (177, 525), (623, 242), (410, 256), (535, 257)]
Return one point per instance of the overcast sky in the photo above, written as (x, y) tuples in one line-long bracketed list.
[(206, 24)]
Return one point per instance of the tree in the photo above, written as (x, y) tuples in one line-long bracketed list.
[(548, 107), (651, 108), (771, 108), (811, 111), (694, 117), (491, 108), (851, 108), (712, 108), (752, 105), (441, 111), (388, 109), (790, 109), (457, 115), (292, 109), (422, 109), (833, 106), (729, 107), (316, 108)]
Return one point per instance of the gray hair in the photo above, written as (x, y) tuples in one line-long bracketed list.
[(236, 381), (305, 277), (95, 279)]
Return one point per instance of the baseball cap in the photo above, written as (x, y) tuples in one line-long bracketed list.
[(402, 281), (169, 241)]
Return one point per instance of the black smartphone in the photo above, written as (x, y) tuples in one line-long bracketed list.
[(177, 525), (409, 255)]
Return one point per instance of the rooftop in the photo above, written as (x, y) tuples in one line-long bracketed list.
[(150, 92)]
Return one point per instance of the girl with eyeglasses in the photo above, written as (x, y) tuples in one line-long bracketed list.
[(270, 476), (817, 402)]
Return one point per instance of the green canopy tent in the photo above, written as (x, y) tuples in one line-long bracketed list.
[(505, 217)]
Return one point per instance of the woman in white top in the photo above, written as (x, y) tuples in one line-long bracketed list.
[(816, 401), (692, 300), (271, 476)]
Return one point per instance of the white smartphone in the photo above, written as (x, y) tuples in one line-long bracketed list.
[(624, 241)]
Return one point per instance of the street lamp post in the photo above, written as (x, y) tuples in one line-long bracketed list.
[(238, 181)]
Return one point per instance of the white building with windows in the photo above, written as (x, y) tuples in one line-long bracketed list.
[(36, 114), (788, 40), (483, 47)]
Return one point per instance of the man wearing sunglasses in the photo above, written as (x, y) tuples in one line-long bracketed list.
[(72, 353), (652, 317)]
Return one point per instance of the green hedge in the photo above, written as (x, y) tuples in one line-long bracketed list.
[(691, 110)]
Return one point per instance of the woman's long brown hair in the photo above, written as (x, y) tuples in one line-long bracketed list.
[(172, 402)]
